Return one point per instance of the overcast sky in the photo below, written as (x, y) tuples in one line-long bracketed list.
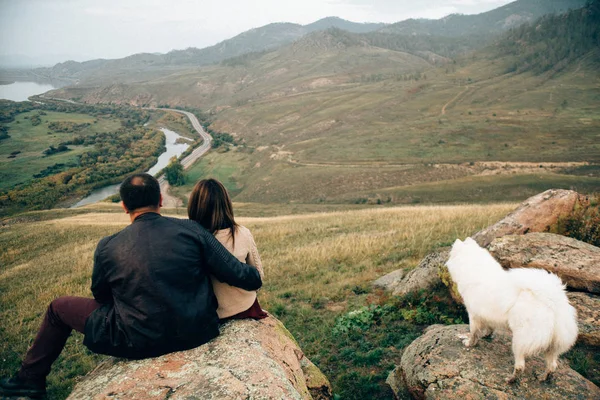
[(86, 29)]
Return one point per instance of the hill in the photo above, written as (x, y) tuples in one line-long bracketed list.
[(334, 118), (318, 268), (144, 66), (318, 273), (473, 31), (489, 23)]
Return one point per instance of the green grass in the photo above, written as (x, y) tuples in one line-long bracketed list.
[(31, 141), (312, 107), (176, 122), (485, 189), (226, 167), (318, 273), (318, 268)]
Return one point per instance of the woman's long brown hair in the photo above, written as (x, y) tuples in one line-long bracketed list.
[(210, 205)]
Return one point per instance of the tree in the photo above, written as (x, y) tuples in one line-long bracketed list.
[(174, 173)]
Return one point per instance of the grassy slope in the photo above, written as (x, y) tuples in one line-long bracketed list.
[(318, 268), (312, 259), (33, 140), (298, 123), (323, 101)]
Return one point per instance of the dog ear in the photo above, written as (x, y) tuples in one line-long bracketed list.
[(457, 243), (471, 242)]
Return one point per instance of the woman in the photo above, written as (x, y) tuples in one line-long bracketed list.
[(210, 206)]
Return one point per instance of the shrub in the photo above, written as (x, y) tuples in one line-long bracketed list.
[(584, 222)]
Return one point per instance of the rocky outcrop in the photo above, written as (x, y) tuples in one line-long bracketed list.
[(249, 360), (390, 281), (535, 214), (576, 263), (423, 276), (588, 316), (438, 366)]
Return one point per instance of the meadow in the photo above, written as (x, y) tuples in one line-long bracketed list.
[(31, 140), (319, 267), (353, 139)]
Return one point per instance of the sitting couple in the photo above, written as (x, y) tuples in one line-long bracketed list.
[(154, 284)]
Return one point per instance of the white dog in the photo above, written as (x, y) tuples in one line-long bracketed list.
[(531, 302)]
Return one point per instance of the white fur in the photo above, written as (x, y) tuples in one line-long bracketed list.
[(530, 302)]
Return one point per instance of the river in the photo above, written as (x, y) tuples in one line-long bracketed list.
[(20, 91), (173, 150)]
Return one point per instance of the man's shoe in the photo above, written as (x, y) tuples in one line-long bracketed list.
[(16, 386)]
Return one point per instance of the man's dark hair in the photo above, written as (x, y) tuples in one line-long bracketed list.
[(140, 190)]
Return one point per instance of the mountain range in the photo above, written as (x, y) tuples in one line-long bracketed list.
[(456, 34), (340, 116)]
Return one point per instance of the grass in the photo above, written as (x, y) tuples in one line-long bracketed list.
[(484, 189), (318, 268), (174, 121), (31, 141), (226, 167), (353, 139), (317, 132)]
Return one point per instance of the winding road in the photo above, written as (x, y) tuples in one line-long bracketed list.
[(188, 161)]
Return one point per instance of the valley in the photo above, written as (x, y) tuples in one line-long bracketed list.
[(350, 150), (333, 118)]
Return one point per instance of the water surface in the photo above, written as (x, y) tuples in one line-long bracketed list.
[(173, 150), (20, 91)]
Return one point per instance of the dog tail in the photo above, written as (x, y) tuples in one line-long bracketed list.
[(532, 323), (565, 327), (542, 318)]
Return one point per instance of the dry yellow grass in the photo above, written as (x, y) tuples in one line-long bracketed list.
[(319, 256)]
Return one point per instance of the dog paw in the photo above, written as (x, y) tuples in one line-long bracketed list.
[(545, 377), (465, 338)]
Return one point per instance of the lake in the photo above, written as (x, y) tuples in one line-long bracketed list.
[(173, 150), (20, 91)]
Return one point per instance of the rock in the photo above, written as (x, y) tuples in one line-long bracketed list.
[(390, 281), (249, 360), (424, 276), (588, 316), (535, 214), (438, 366), (576, 263)]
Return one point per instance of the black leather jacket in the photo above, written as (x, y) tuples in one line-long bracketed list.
[(152, 279)]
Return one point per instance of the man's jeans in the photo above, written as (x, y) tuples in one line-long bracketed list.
[(63, 315)]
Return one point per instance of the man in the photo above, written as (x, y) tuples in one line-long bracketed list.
[(152, 291)]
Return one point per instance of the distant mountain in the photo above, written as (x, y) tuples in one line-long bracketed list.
[(431, 39), (488, 23), (335, 22), (145, 65), (23, 61), (553, 42)]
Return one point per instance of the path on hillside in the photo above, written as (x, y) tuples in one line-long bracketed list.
[(188, 161), (453, 100)]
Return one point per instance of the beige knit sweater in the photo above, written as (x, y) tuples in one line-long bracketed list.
[(233, 300)]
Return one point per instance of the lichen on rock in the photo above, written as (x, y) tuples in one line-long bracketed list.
[(438, 366), (249, 360)]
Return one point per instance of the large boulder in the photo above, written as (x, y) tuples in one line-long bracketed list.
[(390, 281), (438, 366), (588, 316), (249, 360), (535, 214), (425, 276), (576, 263)]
